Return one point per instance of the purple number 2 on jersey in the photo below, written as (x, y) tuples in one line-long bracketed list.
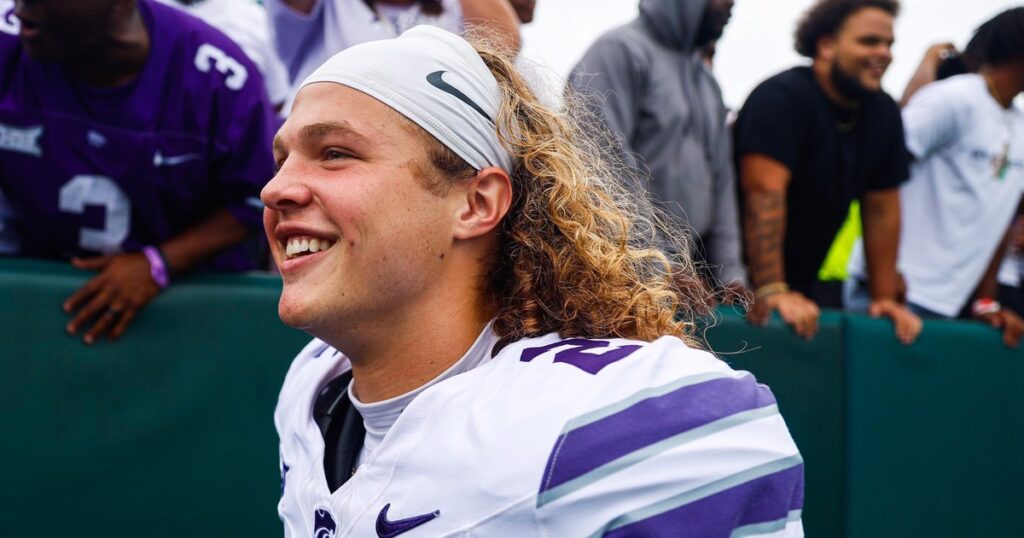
[(591, 363)]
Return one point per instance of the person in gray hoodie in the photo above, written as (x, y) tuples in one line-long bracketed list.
[(648, 83)]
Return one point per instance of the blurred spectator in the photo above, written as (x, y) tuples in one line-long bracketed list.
[(648, 82), (245, 22), (811, 140), (967, 180), (308, 32), (940, 62), (134, 139)]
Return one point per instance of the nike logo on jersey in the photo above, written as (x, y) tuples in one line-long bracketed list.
[(435, 79), (160, 160), (390, 529), (96, 139)]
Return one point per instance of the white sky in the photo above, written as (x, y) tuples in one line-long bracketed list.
[(758, 41)]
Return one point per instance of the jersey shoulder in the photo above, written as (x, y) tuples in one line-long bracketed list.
[(657, 433), (616, 385), (209, 60), (600, 364)]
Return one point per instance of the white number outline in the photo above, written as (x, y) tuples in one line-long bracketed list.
[(86, 189), (210, 57)]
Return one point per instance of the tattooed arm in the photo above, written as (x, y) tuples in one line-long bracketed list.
[(764, 182)]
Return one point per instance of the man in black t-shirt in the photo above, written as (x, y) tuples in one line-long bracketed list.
[(811, 140)]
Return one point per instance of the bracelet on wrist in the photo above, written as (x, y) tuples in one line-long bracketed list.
[(157, 266), (768, 290), (984, 306)]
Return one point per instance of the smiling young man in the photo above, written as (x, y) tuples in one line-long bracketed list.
[(811, 140), (499, 351)]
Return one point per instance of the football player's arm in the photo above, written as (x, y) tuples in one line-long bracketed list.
[(125, 283), (988, 290), (496, 15), (764, 181), (881, 221)]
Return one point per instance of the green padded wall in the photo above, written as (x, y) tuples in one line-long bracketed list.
[(935, 432), (167, 433)]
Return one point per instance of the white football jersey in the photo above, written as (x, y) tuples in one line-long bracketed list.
[(554, 437)]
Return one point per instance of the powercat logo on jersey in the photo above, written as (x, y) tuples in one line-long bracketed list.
[(21, 139), (324, 525)]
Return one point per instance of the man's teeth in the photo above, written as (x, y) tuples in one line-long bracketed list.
[(299, 245)]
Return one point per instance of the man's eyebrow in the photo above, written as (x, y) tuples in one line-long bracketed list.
[(316, 131)]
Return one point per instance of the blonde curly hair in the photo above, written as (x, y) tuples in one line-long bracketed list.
[(579, 247)]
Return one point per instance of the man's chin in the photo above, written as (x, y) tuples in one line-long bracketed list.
[(294, 315), (872, 86)]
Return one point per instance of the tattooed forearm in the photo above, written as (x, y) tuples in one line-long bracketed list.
[(764, 225)]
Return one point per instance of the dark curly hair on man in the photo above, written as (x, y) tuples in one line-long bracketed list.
[(826, 16)]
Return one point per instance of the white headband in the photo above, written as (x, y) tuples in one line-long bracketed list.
[(434, 78)]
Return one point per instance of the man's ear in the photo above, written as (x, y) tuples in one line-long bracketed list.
[(827, 48), (484, 202)]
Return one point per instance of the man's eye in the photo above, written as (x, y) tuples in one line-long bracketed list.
[(332, 154)]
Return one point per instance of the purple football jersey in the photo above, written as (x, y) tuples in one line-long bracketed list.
[(100, 170)]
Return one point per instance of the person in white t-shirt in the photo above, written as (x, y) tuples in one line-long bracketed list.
[(500, 350), (967, 138), (247, 24), (308, 32)]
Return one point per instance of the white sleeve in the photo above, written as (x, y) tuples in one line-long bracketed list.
[(696, 447), (930, 120), (290, 29), (275, 78)]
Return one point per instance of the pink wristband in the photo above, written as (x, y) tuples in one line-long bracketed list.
[(157, 267)]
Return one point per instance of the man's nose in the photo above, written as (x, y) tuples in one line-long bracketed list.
[(286, 190)]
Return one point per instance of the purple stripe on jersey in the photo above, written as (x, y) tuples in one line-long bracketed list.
[(649, 421), (762, 500), (797, 503)]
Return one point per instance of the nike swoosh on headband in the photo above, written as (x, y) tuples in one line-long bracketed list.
[(436, 81)]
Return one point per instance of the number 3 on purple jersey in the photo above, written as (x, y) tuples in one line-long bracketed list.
[(83, 190), (208, 57), (577, 356)]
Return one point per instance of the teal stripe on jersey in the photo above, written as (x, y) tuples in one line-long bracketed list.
[(767, 527), (649, 451), (701, 492)]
